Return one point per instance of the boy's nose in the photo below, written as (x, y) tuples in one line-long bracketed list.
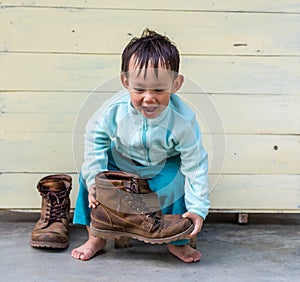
[(148, 96)]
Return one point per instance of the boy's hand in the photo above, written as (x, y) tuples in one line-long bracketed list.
[(93, 203), (197, 221)]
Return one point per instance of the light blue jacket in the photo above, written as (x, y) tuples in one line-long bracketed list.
[(119, 127)]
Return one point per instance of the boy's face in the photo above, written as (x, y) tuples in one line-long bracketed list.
[(150, 89)]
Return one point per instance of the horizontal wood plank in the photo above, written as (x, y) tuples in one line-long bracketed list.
[(19, 190), (253, 193), (280, 6), (257, 193), (108, 31), (246, 114), (58, 112), (42, 102), (246, 154), (49, 152), (52, 72)]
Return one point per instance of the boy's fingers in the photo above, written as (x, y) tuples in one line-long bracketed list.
[(93, 203), (189, 215), (196, 222), (194, 232)]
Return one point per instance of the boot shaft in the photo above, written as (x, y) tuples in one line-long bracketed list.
[(55, 191), (125, 192), (55, 183)]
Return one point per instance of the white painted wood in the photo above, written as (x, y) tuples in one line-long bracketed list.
[(248, 193), (42, 102), (52, 72), (108, 30), (58, 112), (280, 6), (242, 55), (19, 190), (247, 114), (26, 152), (245, 154), (268, 75), (257, 193), (38, 122)]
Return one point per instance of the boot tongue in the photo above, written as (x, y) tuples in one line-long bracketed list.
[(54, 185)]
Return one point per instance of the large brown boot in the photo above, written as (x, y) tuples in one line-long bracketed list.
[(52, 229), (123, 212)]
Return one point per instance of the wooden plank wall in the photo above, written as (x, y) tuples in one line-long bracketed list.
[(245, 55)]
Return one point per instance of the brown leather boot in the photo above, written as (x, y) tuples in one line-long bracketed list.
[(52, 229), (123, 212)]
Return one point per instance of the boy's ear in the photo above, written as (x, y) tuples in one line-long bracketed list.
[(124, 80), (177, 83)]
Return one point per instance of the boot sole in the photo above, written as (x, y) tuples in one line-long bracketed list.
[(49, 245), (109, 234)]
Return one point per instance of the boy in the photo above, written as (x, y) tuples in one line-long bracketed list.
[(148, 130)]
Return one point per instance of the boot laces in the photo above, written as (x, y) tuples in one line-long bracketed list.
[(56, 209), (136, 200), (137, 203)]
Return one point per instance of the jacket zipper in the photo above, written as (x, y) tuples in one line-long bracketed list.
[(144, 137)]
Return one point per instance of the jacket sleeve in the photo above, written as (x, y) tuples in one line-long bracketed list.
[(194, 165), (96, 146)]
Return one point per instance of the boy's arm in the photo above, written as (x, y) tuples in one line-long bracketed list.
[(96, 145), (194, 165)]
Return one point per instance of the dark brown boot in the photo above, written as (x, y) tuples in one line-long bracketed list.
[(123, 212), (52, 229)]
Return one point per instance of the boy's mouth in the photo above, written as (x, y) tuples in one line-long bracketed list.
[(150, 112), (150, 109)]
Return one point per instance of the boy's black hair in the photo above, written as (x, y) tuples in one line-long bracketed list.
[(151, 47)]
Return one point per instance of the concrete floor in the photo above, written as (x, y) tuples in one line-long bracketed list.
[(266, 249)]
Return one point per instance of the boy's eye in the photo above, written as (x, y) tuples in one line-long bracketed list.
[(139, 90)]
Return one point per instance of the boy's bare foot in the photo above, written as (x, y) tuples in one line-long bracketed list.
[(184, 253), (89, 248)]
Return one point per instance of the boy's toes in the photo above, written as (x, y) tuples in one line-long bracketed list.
[(184, 253)]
